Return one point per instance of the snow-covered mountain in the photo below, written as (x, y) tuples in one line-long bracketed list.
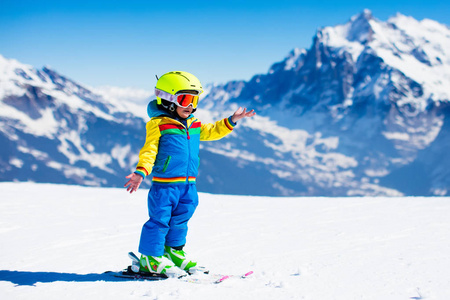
[(366, 107), (53, 129), (364, 111)]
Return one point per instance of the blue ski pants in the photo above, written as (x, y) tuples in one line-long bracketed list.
[(170, 207)]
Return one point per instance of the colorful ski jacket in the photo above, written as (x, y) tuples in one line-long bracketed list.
[(171, 150)]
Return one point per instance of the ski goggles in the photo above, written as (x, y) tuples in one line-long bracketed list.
[(180, 99)]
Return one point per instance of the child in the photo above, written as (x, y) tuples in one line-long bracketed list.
[(170, 154)]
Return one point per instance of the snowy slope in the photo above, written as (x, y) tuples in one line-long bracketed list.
[(56, 241)]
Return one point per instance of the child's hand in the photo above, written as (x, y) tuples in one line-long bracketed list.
[(242, 113), (134, 182)]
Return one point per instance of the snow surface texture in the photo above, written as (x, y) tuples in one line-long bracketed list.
[(57, 240)]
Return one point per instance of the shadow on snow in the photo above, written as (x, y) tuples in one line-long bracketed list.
[(31, 278)]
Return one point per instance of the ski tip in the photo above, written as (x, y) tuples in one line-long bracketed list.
[(248, 274), (222, 279)]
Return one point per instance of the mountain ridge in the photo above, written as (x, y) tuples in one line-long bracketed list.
[(363, 111)]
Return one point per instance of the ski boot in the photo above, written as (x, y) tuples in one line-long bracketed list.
[(178, 257), (159, 265)]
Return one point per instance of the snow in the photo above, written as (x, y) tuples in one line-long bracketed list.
[(403, 136), (419, 49), (120, 153), (292, 61), (56, 241), (14, 76), (125, 94), (72, 139), (46, 125), (16, 162), (129, 99), (397, 48), (337, 37)]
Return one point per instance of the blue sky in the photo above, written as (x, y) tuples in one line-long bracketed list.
[(125, 43)]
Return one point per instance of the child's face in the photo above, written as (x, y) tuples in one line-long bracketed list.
[(184, 112)]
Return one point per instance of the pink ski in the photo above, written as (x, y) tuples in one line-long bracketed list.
[(225, 277)]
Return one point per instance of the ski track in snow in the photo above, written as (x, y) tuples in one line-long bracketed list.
[(57, 240)]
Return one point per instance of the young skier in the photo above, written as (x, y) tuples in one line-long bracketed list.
[(170, 155)]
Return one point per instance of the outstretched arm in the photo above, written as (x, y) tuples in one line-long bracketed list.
[(242, 113), (216, 131)]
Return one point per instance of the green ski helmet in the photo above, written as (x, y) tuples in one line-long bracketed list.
[(172, 82)]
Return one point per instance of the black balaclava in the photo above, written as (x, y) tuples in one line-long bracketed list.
[(171, 109)]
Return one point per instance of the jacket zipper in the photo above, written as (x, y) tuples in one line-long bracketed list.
[(189, 151), (189, 148)]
